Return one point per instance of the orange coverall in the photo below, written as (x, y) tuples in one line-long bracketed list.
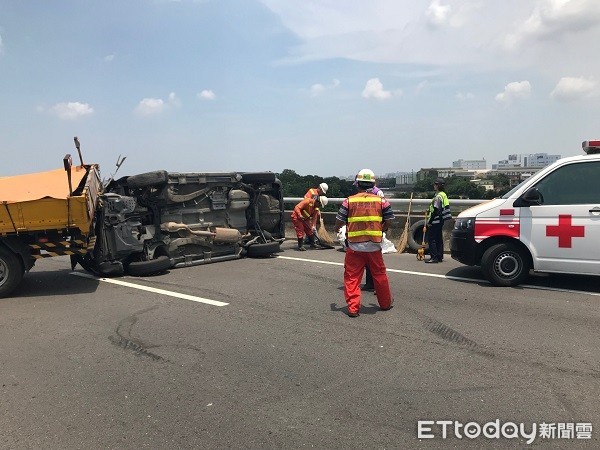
[(304, 217)]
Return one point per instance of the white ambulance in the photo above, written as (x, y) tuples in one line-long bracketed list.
[(548, 223)]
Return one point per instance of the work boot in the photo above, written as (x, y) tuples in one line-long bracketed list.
[(311, 239), (301, 244)]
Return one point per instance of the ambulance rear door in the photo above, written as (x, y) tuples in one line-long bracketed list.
[(563, 229)]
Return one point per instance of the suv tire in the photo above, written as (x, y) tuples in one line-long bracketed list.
[(261, 250), (258, 177), (151, 267), (158, 177)]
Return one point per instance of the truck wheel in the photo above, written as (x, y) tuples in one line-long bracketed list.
[(11, 272), (415, 236), (505, 265), (151, 267)]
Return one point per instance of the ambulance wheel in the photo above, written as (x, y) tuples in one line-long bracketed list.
[(505, 265), (11, 272)]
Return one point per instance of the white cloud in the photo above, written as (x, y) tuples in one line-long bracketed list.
[(421, 86), (150, 106), (570, 89), (318, 88), (466, 34), (1, 46), (437, 13), (109, 58), (374, 89), (174, 100), (72, 110), (464, 96), (553, 19), (207, 94), (513, 91)]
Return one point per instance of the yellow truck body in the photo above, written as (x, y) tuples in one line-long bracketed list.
[(46, 201), (45, 214)]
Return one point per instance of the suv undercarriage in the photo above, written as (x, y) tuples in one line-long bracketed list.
[(148, 223)]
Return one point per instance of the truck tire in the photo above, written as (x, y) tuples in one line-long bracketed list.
[(415, 236), (142, 180), (151, 267), (11, 272), (505, 265)]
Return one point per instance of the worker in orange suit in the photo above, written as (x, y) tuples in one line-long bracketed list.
[(305, 216), (317, 192), (366, 216)]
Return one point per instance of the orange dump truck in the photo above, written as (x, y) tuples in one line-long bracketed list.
[(45, 214)]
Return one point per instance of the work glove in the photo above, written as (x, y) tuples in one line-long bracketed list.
[(314, 230), (424, 228)]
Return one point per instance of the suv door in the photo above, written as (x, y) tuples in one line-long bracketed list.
[(563, 231)]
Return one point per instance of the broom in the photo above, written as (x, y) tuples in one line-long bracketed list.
[(403, 241), (322, 233)]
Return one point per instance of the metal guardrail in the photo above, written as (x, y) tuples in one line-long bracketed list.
[(395, 202)]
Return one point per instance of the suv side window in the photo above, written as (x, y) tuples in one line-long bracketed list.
[(573, 184)]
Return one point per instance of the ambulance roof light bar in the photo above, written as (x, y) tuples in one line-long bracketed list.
[(591, 147)]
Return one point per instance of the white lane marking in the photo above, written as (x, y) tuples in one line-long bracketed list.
[(449, 277), (151, 289)]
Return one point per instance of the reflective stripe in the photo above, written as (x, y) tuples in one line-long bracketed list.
[(365, 233), (362, 199), (364, 219), (445, 213)]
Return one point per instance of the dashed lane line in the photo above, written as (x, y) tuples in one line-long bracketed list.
[(448, 277), (151, 289)]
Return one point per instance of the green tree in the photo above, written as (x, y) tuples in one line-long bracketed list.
[(462, 187)]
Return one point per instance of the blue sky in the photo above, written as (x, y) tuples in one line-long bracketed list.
[(321, 87)]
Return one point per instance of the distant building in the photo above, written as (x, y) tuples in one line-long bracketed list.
[(405, 179), (488, 185), (537, 160), (540, 159), (470, 164)]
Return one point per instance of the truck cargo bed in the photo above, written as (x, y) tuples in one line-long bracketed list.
[(43, 201)]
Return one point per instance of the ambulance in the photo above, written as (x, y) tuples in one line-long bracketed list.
[(548, 223)]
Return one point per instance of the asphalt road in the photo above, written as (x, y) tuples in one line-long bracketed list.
[(259, 353)]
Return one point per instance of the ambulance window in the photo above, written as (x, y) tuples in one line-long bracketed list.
[(573, 184)]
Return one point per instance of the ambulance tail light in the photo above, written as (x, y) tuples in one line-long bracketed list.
[(591, 147), (464, 223)]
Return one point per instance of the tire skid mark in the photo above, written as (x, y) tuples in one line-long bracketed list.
[(126, 342), (448, 334)]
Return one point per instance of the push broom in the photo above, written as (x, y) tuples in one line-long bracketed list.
[(403, 241)]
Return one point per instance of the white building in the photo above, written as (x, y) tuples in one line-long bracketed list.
[(470, 164), (529, 160)]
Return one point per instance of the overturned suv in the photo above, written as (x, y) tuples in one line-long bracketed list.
[(148, 223)]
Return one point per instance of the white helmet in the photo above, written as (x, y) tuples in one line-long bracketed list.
[(323, 200), (366, 175), (323, 187)]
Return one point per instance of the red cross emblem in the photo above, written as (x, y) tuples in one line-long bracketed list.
[(565, 231)]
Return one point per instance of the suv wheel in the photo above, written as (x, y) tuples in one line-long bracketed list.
[(151, 267), (260, 250)]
